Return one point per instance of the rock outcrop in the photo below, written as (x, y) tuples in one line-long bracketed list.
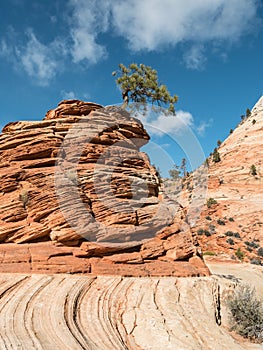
[(232, 221), (77, 195)]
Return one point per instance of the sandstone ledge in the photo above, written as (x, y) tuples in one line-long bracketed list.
[(46, 257)]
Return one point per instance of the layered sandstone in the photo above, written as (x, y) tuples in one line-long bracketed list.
[(79, 196), (234, 221), (118, 313)]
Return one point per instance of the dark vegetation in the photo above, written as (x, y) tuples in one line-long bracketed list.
[(246, 313)]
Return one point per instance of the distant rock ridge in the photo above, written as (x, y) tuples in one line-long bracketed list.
[(234, 222), (83, 160)]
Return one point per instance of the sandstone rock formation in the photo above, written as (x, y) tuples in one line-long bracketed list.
[(77, 195), (115, 313), (234, 221)]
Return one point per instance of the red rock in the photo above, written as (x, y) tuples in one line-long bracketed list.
[(150, 268), (100, 203)]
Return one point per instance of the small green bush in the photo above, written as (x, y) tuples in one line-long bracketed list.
[(200, 232), (208, 252), (24, 197), (239, 254), (232, 234), (246, 313), (253, 170), (207, 233), (253, 121), (208, 218), (220, 222), (212, 228), (231, 219), (252, 244), (260, 251), (210, 202), (216, 156), (230, 241), (256, 262), (248, 112)]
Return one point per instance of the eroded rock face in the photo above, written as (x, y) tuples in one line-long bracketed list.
[(234, 221), (76, 187)]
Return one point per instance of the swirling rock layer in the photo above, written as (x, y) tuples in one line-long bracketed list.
[(114, 313)]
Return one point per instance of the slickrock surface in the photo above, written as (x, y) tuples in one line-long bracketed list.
[(116, 313), (237, 215), (77, 195)]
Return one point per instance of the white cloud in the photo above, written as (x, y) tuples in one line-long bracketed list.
[(7, 44), (86, 96), (150, 24), (145, 25), (168, 124), (201, 128), (195, 58), (37, 60), (153, 24), (68, 95), (85, 47), (5, 50), (182, 123), (41, 62), (71, 95), (179, 131), (88, 20)]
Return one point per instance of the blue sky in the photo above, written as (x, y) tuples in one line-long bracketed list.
[(208, 52)]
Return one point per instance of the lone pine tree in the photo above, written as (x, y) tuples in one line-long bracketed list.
[(139, 83)]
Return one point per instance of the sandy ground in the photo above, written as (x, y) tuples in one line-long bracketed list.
[(245, 273)]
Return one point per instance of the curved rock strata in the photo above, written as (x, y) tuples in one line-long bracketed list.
[(114, 313)]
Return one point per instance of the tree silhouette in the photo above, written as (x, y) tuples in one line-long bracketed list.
[(175, 172), (183, 167), (216, 156)]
